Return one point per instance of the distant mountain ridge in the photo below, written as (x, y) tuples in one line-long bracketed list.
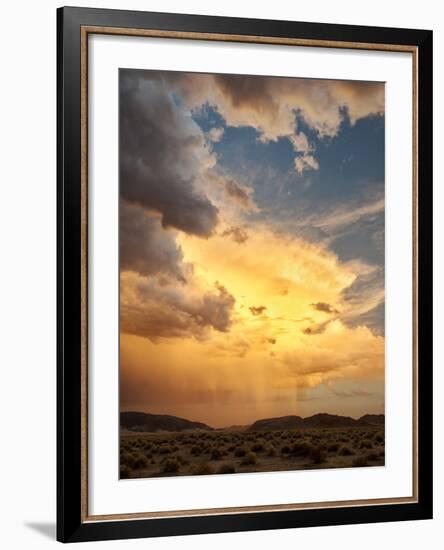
[(320, 420), (280, 423), (373, 418), (147, 422)]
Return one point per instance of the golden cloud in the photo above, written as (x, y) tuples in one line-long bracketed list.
[(211, 365)]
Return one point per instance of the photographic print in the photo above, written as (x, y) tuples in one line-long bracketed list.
[(251, 244)]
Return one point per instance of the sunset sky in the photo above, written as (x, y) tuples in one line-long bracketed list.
[(251, 246)]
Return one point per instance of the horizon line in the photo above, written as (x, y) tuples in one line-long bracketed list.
[(254, 421)]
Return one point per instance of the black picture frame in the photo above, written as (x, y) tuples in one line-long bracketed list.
[(71, 524)]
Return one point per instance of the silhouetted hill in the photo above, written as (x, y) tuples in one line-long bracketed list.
[(279, 423), (378, 419), (320, 420), (145, 422), (324, 420)]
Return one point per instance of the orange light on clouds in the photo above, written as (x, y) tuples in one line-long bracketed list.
[(267, 357)]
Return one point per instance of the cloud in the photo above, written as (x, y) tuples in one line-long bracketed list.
[(359, 392), (271, 105), (145, 247), (238, 192), (347, 214), (316, 329), (271, 102), (338, 353), (215, 134), (305, 162), (305, 159), (300, 143), (197, 348), (363, 301), (225, 368), (238, 234), (156, 308), (257, 310), (324, 307), (163, 159)]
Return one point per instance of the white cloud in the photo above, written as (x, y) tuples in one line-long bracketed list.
[(215, 134)]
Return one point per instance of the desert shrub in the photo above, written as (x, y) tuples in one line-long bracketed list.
[(125, 471), (231, 448), (258, 446), (373, 455), (215, 454), (226, 468), (366, 444), (203, 468), (285, 449), (345, 451), (165, 449), (360, 461), (333, 447), (249, 458), (379, 438), (195, 450), (301, 449), (128, 459), (170, 466), (271, 450), (239, 451), (317, 455), (140, 461)]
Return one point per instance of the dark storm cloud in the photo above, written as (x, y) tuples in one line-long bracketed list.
[(157, 309), (162, 155), (324, 307), (147, 248)]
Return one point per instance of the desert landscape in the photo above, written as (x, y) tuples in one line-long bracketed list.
[(162, 445)]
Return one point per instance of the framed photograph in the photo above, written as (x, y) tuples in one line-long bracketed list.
[(244, 274)]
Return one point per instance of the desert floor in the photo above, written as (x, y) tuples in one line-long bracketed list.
[(163, 454)]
